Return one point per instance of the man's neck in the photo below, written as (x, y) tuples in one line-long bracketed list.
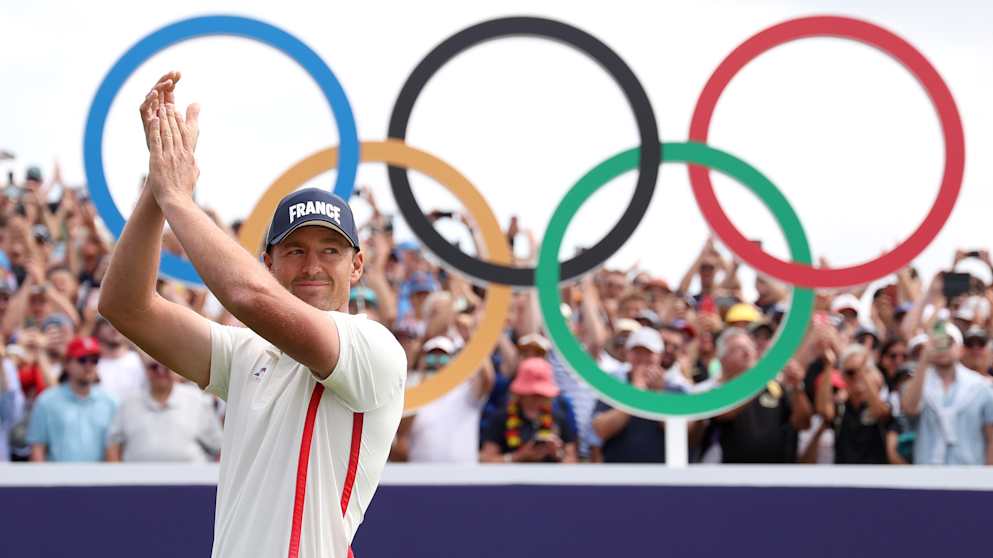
[(946, 373), (81, 390), (116, 352), (161, 395)]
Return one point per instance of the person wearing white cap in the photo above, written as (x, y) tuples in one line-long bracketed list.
[(955, 404), (445, 430), (846, 305), (628, 439)]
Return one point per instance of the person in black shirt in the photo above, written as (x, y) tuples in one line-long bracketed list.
[(861, 417), (764, 430)]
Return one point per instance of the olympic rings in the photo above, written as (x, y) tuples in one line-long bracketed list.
[(183, 30), (546, 276), (581, 41), (658, 405), (497, 302), (951, 127)]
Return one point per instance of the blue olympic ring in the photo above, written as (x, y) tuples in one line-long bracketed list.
[(173, 266)]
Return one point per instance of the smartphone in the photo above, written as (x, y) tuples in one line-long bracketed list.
[(955, 284)]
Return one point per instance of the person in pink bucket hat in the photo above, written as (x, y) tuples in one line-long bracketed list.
[(529, 429)]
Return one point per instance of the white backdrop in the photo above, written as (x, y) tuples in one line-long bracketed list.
[(842, 129)]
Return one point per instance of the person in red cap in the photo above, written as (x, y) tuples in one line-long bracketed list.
[(70, 422), (529, 429)]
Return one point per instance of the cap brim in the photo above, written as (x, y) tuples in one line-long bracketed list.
[(315, 222)]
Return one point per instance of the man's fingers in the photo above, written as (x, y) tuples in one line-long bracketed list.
[(192, 126), (174, 131), (154, 139), (165, 132)]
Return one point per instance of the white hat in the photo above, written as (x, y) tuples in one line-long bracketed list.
[(843, 301), (646, 337), (535, 339), (973, 308), (916, 341), (627, 324), (440, 343)]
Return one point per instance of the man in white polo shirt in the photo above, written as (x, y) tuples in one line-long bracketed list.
[(314, 395)]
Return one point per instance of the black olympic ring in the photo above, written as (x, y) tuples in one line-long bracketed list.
[(648, 164)]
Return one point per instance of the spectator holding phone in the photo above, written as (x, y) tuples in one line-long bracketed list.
[(955, 404), (530, 429)]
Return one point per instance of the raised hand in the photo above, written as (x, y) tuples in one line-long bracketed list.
[(162, 92), (172, 168)]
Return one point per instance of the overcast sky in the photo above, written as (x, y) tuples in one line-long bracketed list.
[(844, 131)]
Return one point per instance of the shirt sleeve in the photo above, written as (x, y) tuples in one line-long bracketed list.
[(224, 340), (38, 431), (987, 409), (372, 365), (115, 434)]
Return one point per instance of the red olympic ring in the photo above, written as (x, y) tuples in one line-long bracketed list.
[(951, 128)]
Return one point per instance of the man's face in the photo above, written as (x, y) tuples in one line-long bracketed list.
[(948, 357), (82, 371), (615, 285), (531, 351), (109, 337), (641, 356), (739, 356), (38, 303), (631, 307), (762, 338), (850, 370), (708, 270), (160, 378), (976, 354), (317, 265), (17, 254), (64, 282), (673, 347), (894, 357)]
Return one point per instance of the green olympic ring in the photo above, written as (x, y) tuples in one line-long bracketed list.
[(656, 405)]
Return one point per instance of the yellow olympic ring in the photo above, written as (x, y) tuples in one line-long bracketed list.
[(397, 153)]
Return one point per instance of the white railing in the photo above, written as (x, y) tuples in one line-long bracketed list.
[(906, 477)]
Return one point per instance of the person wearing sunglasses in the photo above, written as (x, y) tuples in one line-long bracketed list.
[(861, 415), (955, 404), (976, 354), (169, 421), (70, 422), (446, 430)]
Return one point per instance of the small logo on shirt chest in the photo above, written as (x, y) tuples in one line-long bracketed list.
[(258, 374)]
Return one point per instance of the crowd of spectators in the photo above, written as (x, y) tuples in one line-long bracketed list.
[(899, 374)]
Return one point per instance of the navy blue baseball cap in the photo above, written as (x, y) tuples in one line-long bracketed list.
[(311, 206)]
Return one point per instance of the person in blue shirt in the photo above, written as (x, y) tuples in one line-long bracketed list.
[(70, 422)]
